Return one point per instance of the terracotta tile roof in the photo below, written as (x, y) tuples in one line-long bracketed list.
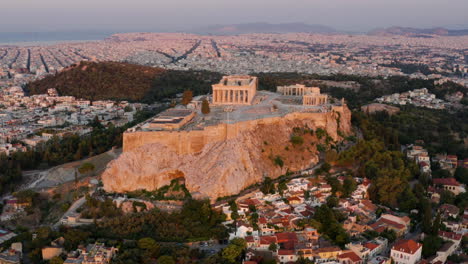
[(350, 255), (371, 246), (450, 235), (383, 224), (306, 213), (406, 246), (369, 205), (328, 249), (446, 181), (423, 164), (267, 240), (286, 252), (252, 201), (286, 236), (249, 239), (449, 208)]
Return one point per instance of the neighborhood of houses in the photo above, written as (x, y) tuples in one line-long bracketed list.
[(418, 97), (26, 121), (278, 234)]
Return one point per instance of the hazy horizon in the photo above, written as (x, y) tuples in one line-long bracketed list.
[(183, 15)]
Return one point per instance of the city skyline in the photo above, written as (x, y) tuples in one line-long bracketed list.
[(182, 15)]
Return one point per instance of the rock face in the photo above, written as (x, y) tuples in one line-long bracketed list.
[(222, 160)]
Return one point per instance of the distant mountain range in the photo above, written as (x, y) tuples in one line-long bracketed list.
[(417, 32), (262, 27)]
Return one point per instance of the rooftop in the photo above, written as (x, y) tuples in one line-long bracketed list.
[(407, 246)]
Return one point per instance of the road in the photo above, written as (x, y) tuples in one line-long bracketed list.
[(72, 210)]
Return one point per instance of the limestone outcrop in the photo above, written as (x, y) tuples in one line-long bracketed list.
[(224, 159)]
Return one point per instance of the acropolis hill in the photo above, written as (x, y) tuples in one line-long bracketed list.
[(245, 137)]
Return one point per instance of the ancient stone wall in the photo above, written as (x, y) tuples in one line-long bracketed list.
[(187, 142)]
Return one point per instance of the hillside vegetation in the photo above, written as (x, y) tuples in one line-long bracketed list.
[(98, 81), (124, 81)]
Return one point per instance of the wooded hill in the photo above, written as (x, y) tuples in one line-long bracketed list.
[(100, 81), (124, 81)]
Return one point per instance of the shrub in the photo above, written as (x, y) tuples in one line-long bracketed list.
[(321, 148), (279, 161), (86, 167), (297, 140), (320, 133)]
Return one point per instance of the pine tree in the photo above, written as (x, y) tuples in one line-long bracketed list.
[(187, 97), (205, 109)]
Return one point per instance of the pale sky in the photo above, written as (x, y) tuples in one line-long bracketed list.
[(157, 15)]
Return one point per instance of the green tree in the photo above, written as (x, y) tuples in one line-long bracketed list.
[(431, 244), (86, 168), (234, 209), (282, 187), (461, 174), (56, 260), (166, 260), (297, 140), (278, 161), (273, 247), (205, 108), (268, 187), (349, 186), (187, 97), (239, 242), (147, 243), (332, 201), (427, 216), (231, 253), (447, 197), (326, 167)]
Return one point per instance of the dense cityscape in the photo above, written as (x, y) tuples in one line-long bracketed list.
[(249, 148)]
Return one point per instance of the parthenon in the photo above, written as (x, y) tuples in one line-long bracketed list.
[(235, 89)]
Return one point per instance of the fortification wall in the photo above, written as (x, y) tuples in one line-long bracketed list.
[(189, 142)]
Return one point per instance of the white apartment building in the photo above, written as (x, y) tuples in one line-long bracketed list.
[(406, 252)]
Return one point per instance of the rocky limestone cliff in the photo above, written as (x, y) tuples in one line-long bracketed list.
[(239, 155)]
